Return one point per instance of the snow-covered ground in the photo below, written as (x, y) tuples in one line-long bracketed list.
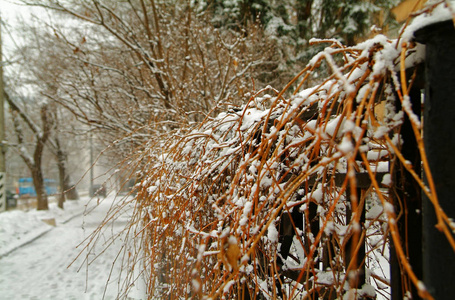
[(36, 259)]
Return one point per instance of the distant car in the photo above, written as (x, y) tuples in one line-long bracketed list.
[(11, 199), (98, 190)]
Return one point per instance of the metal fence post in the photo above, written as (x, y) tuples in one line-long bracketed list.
[(439, 139)]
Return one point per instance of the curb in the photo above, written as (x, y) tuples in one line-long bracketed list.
[(36, 235), (25, 242)]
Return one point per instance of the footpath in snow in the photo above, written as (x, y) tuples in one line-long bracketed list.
[(36, 259), (18, 228)]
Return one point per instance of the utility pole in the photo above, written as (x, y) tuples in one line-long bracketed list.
[(91, 191), (2, 133)]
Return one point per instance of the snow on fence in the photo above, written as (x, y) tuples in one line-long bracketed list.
[(312, 195)]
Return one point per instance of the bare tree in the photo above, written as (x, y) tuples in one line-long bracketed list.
[(40, 137), (135, 69), (66, 189), (25, 77)]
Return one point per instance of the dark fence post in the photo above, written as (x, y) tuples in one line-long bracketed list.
[(439, 138), (407, 198)]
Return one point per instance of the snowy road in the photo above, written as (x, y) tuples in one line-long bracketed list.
[(40, 269)]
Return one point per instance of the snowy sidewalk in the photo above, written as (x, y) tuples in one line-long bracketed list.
[(56, 265), (18, 228)]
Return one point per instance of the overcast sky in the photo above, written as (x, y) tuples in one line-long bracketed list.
[(7, 8), (11, 14)]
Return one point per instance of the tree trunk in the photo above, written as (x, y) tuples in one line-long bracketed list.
[(41, 137), (61, 177), (70, 189), (304, 20), (67, 190), (41, 195)]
